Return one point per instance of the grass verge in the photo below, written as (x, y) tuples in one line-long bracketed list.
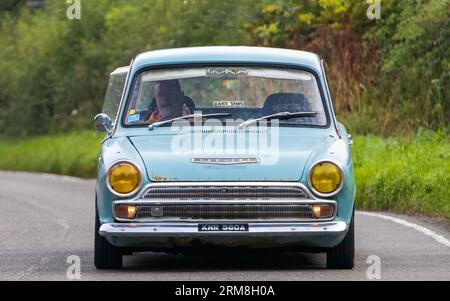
[(407, 175), (74, 154)]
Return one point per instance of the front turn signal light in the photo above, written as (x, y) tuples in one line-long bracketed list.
[(125, 211), (323, 211), (124, 178), (326, 178)]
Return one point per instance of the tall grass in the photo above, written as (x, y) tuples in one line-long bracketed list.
[(74, 154), (409, 175)]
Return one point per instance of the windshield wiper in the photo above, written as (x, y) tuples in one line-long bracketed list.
[(281, 115), (157, 124)]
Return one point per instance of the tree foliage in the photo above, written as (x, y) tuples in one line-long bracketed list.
[(387, 75)]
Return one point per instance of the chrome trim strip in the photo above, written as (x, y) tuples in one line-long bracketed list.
[(226, 184), (226, 202), (271, 220), (225, 161), (216, 221), (189, 229)]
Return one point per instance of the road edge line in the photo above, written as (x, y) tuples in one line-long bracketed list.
[(439, 238)]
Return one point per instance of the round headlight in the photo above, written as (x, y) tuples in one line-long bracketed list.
[(124, 178), (326, 178)]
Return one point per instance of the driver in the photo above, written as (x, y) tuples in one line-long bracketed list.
[(170, 102)]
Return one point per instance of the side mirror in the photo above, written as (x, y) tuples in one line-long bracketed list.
[(103, 123)]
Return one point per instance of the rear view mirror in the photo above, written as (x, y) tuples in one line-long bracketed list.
[(103, 123)]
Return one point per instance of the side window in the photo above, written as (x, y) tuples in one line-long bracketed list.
[(114, 93)]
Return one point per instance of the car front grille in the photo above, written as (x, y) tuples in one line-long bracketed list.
[(227, 201), (225, 211), (224, 193)]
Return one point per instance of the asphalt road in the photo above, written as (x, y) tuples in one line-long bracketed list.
[(44, 219)]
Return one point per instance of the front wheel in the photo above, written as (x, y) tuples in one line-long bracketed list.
[(106, 256), (343, 255)]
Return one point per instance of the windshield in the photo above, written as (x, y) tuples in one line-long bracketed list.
[(242, 93)]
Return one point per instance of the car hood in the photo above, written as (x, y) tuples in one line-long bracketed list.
[(169, 157)]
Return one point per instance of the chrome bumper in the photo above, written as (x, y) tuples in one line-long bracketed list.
[(259, 235), (191, 229)]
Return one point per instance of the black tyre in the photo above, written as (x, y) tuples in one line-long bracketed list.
[(106, 256), (343, 255)]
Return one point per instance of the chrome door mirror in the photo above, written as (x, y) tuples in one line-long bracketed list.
[(103, 123)]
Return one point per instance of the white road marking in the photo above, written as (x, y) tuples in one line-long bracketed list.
[(439, 238)]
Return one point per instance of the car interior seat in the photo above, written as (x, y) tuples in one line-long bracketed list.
[(287, 102)]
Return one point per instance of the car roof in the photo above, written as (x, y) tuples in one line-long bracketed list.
[(227, 54)]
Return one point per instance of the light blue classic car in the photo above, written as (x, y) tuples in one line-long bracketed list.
[(214, 148)]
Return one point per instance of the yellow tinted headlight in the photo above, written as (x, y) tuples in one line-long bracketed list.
[(326, 178), (124, 178)]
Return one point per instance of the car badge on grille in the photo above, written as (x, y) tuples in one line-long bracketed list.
[(157, 211), (226, 161)]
